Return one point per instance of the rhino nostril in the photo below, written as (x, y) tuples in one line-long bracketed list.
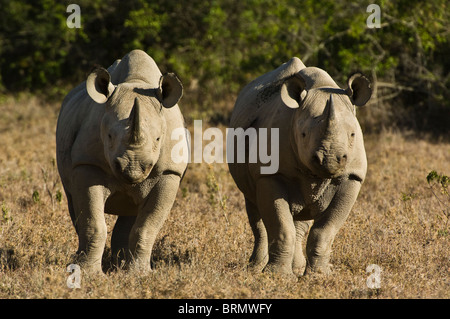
[(117, 165), (317, 159), (342, 160), (120, 164)]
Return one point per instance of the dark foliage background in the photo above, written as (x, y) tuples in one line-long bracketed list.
[(216, 47)]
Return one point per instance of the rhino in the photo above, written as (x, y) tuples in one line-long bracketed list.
[(322, 164), (113, 148)]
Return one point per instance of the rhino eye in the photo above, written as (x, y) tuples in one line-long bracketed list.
[(110, 141), (158, 138), (352, 135), (303, 134)]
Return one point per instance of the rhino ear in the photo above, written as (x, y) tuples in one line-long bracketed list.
[(292, 91), (359, 89), (170, 90), (98, 85)]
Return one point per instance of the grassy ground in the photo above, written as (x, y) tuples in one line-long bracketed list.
[(203, 248)]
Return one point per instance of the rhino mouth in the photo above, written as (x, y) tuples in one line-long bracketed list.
[(132, 179), (327, 172), (131, 172), (328, 165)]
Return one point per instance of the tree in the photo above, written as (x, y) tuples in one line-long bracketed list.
[(218, 46)]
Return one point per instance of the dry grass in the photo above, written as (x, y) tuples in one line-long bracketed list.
[(203, 248)]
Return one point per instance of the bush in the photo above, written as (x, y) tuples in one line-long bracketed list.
[(216, 47)]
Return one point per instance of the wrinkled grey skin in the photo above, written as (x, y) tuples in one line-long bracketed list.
[(114, 156), (322, 164)]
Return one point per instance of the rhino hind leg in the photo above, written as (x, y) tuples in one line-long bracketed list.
[(260, 254), (119, 241)]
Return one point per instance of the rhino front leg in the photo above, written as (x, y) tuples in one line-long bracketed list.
[(260, 253), (325, 228), (301, 227), (150, 219), (275, 212), (318, 249), (89, 198)]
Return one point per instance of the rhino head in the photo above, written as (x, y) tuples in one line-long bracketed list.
[(326, 134), (133, 125)]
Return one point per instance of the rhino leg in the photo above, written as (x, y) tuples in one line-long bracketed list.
[(318, 248), (260, 254), (325, 228), (301, 228), (119, 239), (150, 219), (275, 212), (88, 201)]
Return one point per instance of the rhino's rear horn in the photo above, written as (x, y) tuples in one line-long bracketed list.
[(135, 124)]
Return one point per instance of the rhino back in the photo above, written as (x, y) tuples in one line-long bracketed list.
[(136, 66), (259, 93), (317, 78)]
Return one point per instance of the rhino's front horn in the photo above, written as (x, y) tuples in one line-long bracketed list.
[(135, 124)]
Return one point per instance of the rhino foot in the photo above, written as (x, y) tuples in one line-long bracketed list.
[(87, 265), (325, 269), (300, 271), (278, 269)]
